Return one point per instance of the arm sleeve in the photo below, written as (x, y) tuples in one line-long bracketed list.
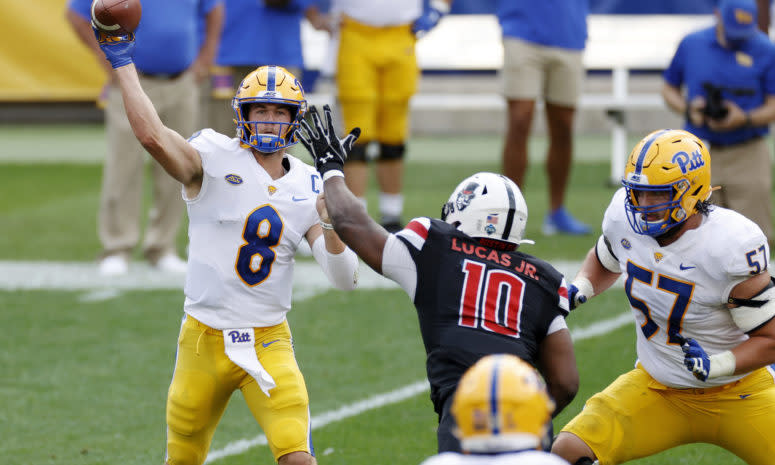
[(397, 264), (340, 269)]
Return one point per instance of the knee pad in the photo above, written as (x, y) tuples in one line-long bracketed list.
[(391, 151), (358, 153)]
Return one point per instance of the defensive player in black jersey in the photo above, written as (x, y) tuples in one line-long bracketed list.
[(475, 294)]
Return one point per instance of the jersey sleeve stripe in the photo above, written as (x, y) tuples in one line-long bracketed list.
[(416, 232), (562, 292)]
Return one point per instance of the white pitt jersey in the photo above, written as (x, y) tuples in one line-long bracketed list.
[(380, 13), (684, 286), (528, 457), (244, 229)]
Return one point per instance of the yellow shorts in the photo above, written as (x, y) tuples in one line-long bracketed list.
[(205, 378), (377, 74), (636, 416)]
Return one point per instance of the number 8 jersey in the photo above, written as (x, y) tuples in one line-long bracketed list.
[(244, 229), (683, 287)]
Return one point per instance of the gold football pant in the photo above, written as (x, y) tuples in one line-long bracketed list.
[(377, 74), (205, 378), (636, 416)]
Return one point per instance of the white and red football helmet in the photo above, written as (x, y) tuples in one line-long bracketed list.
[(488, 206)]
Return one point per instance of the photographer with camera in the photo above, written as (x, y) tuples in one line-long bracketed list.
[(728, 71)]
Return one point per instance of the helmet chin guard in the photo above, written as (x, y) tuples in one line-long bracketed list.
[(488, 206)]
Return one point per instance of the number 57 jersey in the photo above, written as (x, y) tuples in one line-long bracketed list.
[(683, 287), (244, 229)]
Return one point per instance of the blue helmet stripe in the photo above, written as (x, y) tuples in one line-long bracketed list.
[(645, 149), (271, 74), (494, 397)]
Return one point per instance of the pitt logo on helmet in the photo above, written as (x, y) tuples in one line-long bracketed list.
[(688, 163)]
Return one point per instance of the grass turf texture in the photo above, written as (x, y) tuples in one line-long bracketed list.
[(85, 382)]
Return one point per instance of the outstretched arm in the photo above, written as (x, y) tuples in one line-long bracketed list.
[(353, 224), (348, 215), (169, 148)]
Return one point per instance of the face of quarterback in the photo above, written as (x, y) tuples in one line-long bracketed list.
[(651, 198), (269, 115)]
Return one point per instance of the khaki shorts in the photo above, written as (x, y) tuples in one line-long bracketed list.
[(533, 71), (744, 173)]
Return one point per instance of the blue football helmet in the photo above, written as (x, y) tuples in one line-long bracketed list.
[(672, 161), (269, 84)]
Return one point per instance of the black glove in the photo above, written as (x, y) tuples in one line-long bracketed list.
[(328, 151)]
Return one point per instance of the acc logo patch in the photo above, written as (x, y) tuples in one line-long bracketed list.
[(271, 189), (233, 179), (658, 256), (626, 244)]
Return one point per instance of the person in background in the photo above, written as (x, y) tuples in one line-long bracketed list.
[(249, 26), (170, 64), (503, 412), (376, 75), (474, 292), (543, 43), (728, 74), (696, 277)]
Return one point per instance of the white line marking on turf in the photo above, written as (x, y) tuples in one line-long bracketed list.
[(397, 395)]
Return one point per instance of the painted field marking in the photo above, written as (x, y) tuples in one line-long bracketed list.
[(399, 395)]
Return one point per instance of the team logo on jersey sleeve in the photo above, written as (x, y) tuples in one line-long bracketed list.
[(233, 179), (626, 244)]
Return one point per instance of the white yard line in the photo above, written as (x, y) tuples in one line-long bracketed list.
[(310, 281), (398, 395)]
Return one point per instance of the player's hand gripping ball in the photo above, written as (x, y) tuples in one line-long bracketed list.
[(116, 17)]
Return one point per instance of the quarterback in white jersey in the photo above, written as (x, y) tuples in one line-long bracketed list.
[(502, 411), (250, 204), (697, 281)]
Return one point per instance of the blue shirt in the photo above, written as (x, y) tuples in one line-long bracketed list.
[(168, 38), (554, 23), (254, 35), (747, 76)]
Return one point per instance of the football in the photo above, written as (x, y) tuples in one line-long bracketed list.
[(116, 17)]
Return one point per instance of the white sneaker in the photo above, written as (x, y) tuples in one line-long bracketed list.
[(113, 265), (171, 263)]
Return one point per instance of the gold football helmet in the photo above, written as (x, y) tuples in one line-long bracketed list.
[(501, 405), (269, 84), (672, 161)]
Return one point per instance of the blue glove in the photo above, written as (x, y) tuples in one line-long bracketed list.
[(117, 49), (695, 358), (574, 298), (430, 17)]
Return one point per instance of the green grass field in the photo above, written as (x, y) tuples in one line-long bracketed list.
[(84, 378)]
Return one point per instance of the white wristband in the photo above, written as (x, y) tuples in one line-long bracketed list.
[(722, 364), (584, 286), (327, 226), (332, 173)]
